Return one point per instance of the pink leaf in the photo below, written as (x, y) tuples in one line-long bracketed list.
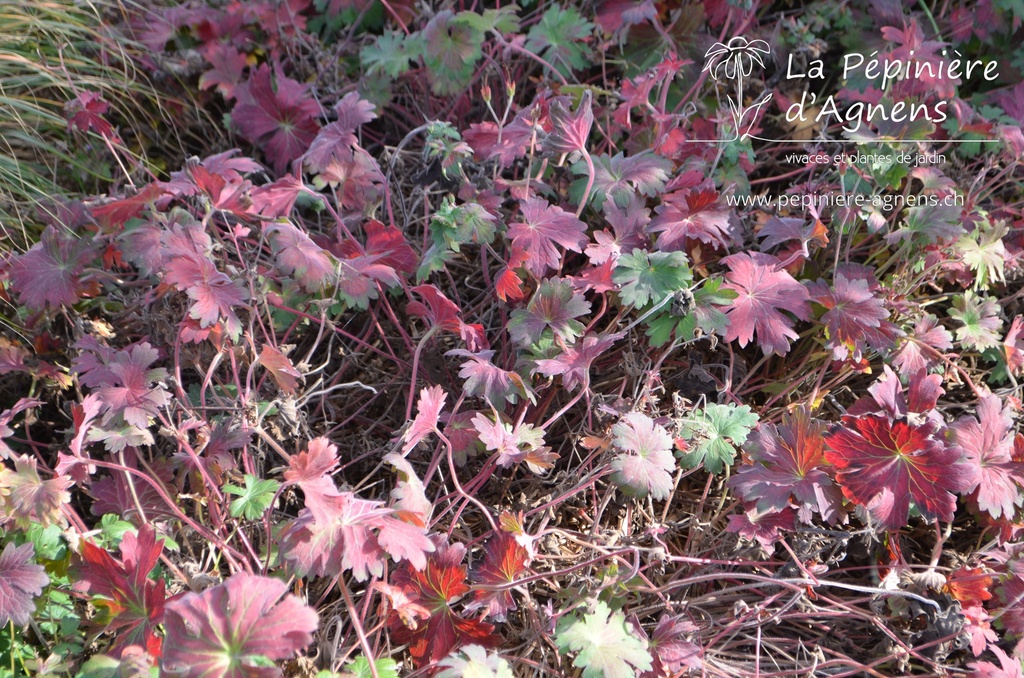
[(488, 381), (575, 361), (387, 244), (227, 65), (134, 390), (21, 580), (282, 122), (789, 462), (48, 274), (554, 305), (852, 308), (763, 290), (341, 536), (280, 368), (513, 445), (297, 255), (428, 409), (694, 215), (439, 311), (310, 470), (766, 528), (222, 632), (923, 347), (542, 227), (277, 199), (989, 444), (645, 463), (29, 499), (569, 130), (409, 495), (628, 223)]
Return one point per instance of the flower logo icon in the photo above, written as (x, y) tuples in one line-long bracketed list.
[(735, 61), (737, 58)]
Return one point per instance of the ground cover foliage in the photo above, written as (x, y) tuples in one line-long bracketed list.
[(435, 340)]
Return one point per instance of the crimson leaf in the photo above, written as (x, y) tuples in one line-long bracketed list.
[(694, 215), (230, 630), (852, 308), (133, 604), (884, 465), (504, 561), (435, 589)]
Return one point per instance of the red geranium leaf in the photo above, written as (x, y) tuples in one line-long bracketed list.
[(280, 368), (488, 381), (629, 224), (21, 580), (49, 273), (297, 255), (885, 465), (923, 347), (117, 212), (618, 179), (85, 112), (133, 603), (436, 588), (989, 443), (693, 215), (766, 528), (283, 122), (386, 242), (343, 532), (788, 463), (227, 630), (542, 227), (227, 64), (354, 111), (28, 499), (575, 361), (428, 409), (134, 391), (763, 289), (1009, 667), (970, 585), (410, 497), (779, 230), (278, 198), (570, 130), (504, 561), (311, 470), (852, 308), (440, 311), (669, 647), (554, 305)]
